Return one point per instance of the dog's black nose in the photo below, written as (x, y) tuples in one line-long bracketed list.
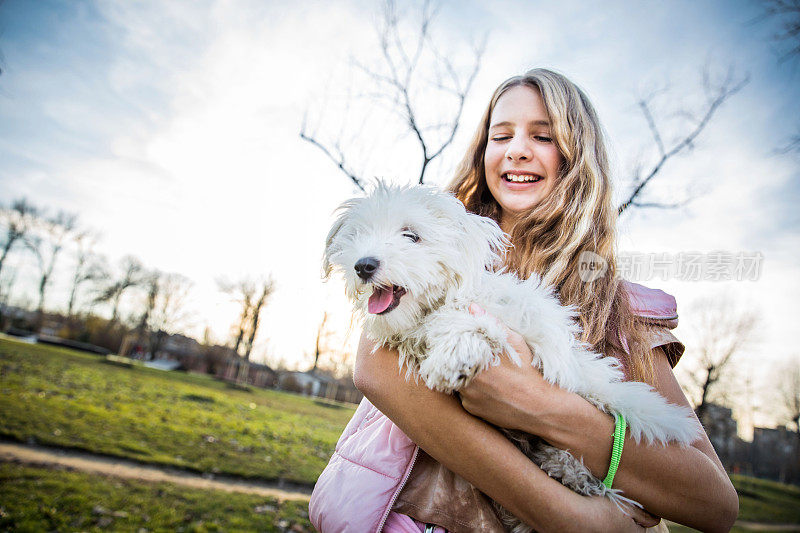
[(366, 267)]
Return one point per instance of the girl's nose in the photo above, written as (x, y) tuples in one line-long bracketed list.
[(518, 150)]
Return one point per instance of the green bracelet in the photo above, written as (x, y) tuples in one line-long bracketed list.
[(616, 450)]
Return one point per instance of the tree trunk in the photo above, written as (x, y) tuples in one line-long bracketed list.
[(6, 249), (115, 309), (701, 409), (71, 303), (40, 307), (243, 372), (156, 340), (238, 339), (254, 322)]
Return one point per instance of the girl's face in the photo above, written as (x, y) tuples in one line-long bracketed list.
[(521, 160)]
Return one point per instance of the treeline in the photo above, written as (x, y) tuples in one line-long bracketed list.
[(106, 303)]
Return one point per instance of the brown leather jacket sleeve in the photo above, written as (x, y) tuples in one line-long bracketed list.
[(663, 337)]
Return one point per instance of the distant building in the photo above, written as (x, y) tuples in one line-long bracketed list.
[(721, 430), (239, 370), (178, 345), (774, 454)]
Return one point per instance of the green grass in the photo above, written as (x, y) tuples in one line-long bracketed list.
[(62, 397), (762, 501), (767, 501), (41, 499)]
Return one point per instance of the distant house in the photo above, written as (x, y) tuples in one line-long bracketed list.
[(315, 383), (308, 383)]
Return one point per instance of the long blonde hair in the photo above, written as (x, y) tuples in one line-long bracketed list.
[(578, 216)]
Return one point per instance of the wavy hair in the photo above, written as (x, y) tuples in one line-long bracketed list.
[(578, 216)]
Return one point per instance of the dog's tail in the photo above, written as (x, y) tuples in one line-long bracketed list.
[(649, 415)]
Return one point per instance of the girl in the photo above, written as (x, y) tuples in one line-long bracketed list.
[(537, 165)]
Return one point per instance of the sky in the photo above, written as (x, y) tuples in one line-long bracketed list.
[(173, 129)]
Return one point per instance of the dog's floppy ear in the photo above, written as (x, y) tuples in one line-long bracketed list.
[(330, 247), (495, 241)]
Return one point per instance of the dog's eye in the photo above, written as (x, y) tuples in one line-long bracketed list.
[(408, 234)]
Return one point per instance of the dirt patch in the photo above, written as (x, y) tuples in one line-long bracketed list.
[(86, 462)]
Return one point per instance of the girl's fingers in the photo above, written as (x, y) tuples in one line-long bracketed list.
[(641, 517), (476, 310), (514, 338)]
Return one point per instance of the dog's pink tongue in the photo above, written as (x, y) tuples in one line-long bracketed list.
[(380, 300)]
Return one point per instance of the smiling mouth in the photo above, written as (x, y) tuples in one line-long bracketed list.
[(384, 299), (522, 178)]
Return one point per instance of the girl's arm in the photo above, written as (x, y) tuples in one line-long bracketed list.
[(479, 453), (685, 484)]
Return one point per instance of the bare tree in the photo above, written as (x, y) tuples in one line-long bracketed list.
[(18, 220), (335, 361), (412, 70), (252, 296), (787, 12), (265, 288), (722, 329), (46, 244), (242, 292), (320, 346), (717, 93), (132, 274), (151, 283), (88, 266), (788, 389), (168, 312)]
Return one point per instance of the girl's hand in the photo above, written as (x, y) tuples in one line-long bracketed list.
[(604, 515), (508, 395)]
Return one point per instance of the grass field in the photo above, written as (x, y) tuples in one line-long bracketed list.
[(40, 499), (62, 397), (767, 501)]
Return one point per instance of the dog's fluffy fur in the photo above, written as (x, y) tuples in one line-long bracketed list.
[(426, 243)]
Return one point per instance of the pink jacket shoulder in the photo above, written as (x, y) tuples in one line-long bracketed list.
[(357, 489), (660, 311), (652, 304)]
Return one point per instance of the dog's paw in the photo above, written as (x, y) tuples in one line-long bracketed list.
[(447, 380), (452, 361)]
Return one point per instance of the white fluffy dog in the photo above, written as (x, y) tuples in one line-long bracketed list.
[(413, 261)]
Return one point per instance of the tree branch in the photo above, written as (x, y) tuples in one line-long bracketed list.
[(339, 161), (727, 89), (404, 57)]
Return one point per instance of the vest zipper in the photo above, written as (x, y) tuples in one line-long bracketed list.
[(399, 489)]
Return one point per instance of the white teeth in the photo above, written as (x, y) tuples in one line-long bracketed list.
[(522, 178)]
